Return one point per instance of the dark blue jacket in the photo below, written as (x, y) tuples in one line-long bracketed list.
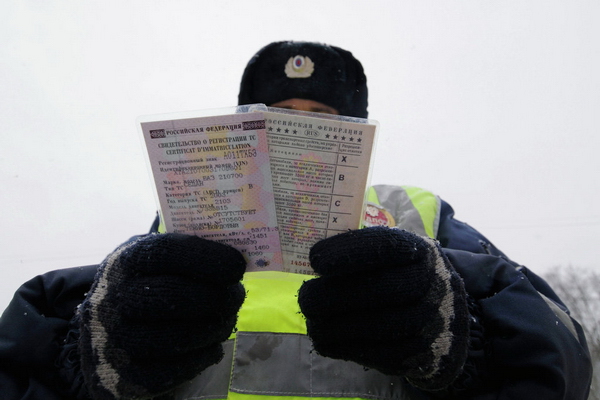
[(523, 346)]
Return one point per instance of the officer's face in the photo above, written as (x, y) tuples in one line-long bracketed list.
[(306, 105)]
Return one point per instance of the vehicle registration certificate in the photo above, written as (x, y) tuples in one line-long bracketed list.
[(266, 181)]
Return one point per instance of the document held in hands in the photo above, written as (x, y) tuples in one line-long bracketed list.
[(266, 181)]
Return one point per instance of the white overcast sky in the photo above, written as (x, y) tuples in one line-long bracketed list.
[(494, 105)]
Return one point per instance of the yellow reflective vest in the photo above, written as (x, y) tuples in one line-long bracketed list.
[(270, 354)]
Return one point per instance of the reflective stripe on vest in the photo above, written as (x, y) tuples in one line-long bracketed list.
[(413, 209), (271, 355)]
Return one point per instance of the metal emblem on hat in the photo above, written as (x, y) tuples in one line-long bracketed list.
[(299, 67)]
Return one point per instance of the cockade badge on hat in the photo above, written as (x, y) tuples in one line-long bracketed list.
[(299, 67)]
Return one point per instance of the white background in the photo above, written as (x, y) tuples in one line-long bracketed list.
[(494, 105)]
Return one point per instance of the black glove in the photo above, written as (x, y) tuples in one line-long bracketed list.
[(389, 300), (157, 313)]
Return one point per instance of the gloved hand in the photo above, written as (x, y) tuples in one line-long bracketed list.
[(157, 313), (389, 300)]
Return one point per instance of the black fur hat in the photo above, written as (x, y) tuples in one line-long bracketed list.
[(305, 70)]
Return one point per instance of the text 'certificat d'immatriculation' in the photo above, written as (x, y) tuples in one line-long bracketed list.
[(213, 180)]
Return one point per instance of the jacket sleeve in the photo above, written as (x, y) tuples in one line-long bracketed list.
[(455, 234), (33, 332), (528, 347), (525, 344)]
